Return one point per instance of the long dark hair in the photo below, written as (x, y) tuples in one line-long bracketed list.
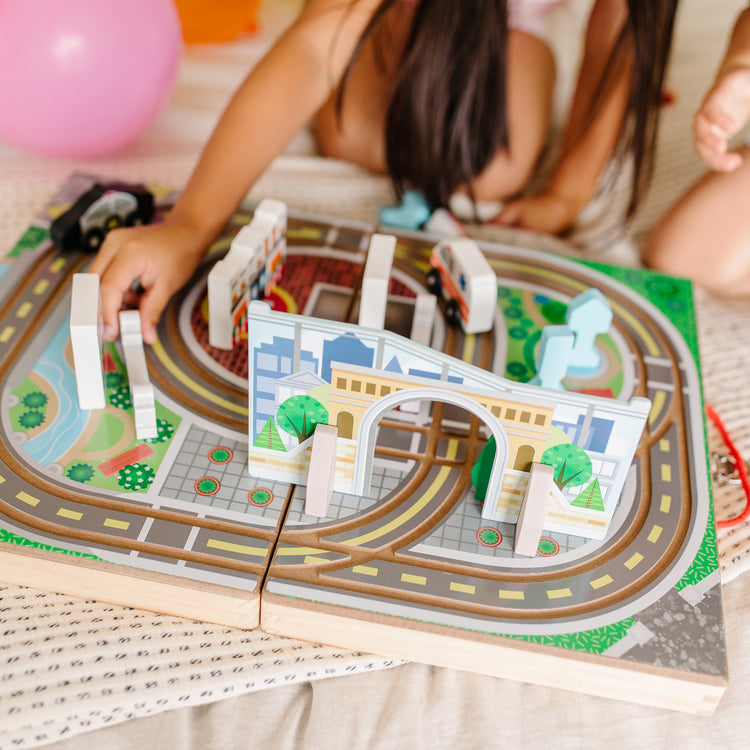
[(648, 31), (447, 116)]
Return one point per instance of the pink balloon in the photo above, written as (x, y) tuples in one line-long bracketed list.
[(84, 77)]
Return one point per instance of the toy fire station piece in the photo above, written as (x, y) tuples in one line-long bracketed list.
[(553, 356), (588, 315), (141, 390), (228, 286), (375, 280), (322, 469), (462, 274), (253, 264), (533, 509), (86, 339)]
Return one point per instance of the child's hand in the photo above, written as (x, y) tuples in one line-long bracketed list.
[(548, 213), (724, 112), (162, 257)]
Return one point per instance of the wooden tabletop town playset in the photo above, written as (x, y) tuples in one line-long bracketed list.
[(487, 458)]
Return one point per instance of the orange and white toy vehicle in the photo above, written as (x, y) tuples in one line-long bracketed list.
[(460, 272)]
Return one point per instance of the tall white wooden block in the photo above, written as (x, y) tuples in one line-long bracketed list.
[(86, 338)]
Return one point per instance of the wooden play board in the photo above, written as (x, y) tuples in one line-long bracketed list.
[(176, 524)]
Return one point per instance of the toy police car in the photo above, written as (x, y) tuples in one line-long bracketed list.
[(100, 209)]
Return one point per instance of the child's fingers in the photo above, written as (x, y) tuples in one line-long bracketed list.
[(510, 215), (708, 132), (117, 279), (726, 161), (153, 302)]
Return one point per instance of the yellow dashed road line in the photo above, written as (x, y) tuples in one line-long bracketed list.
[(365, 570), (463, 588), (73, 515), (633, 561), (506, 594), (410, 578), (559, 593), (28, 499), (113, 523), (654, 534)]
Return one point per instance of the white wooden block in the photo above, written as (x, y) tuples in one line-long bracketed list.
[(421, 332), (424, 318), (533, 509), (86, 339), (322, 469), (375, 280), (141, 390), (443, 223)]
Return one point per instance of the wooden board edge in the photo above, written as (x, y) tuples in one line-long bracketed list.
[(482, 653), (129, 587)]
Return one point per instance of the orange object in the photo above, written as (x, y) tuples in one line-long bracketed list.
[(206, 22)]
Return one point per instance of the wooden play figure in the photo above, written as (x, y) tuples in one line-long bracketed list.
[(411, 213), (553, 356)]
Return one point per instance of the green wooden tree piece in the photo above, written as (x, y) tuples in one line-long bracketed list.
[(480, 472)]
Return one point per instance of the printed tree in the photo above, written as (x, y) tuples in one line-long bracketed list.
[(299, 414), (590, 498), (164, 431), (269, 437), (135, 477), (80, 472), (571, 464), (120, 397)]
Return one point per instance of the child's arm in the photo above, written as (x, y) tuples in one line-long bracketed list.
[(588, 143), (726, 107), (273, 103)]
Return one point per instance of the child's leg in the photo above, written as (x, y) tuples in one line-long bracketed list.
[(531, 75), (706, 234)]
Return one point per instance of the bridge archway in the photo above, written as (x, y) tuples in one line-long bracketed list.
[(368, 427)]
